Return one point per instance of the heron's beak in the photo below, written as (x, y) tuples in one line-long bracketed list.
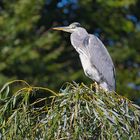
[(65, 29)]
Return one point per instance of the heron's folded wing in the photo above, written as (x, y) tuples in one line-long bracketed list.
[(101, 59)]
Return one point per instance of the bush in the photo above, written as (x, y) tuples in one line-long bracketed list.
[(76, 112)]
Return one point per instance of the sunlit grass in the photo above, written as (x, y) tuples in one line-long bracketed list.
[(76, 112)]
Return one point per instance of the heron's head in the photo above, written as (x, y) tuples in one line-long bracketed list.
[(71, 28)]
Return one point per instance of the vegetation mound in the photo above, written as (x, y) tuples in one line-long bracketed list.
[(76, 112)]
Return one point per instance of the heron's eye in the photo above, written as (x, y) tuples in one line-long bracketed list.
[(73, 26)]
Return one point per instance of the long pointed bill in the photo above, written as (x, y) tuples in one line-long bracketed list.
[(66, 29)]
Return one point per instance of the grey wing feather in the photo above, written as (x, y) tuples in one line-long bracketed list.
[(101, 60)]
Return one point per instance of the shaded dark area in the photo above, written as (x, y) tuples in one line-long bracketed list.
[(31, 51)]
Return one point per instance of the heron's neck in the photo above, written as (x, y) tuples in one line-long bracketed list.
[(78, 36)]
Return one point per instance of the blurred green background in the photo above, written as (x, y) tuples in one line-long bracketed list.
[(32, 52)]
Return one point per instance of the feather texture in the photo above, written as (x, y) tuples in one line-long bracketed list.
[(95, 59)]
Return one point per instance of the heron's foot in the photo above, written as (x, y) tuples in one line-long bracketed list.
[(96, 87)]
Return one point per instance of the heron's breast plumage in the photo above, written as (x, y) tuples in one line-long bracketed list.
[(78, 40), (89, 69)]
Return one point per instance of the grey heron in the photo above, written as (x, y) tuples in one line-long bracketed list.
[(95, 59)]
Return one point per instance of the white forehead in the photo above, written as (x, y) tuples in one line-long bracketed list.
[(75, 24)]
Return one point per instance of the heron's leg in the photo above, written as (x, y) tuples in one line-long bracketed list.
[(97, 87)]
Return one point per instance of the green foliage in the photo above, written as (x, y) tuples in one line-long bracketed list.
[(76, 112)]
